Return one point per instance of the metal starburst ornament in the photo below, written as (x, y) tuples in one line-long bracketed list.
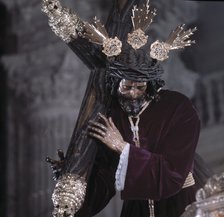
[(142, 17), (176, 40), (96, 33)]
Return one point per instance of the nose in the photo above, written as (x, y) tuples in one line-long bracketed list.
[(133, 93)]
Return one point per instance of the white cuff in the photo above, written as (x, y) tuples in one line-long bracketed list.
[(122, 168)]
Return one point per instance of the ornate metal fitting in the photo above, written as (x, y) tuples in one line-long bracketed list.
[(180, 38), (137, 39), (62, 21), (214, 186), (68, 26), (209, 199), (112, 46), (68, 195), (51, 6), (159, 50), (96, 33), (176, 40), (142, 17)]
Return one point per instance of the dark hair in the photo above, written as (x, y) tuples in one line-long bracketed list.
[(153, 87)]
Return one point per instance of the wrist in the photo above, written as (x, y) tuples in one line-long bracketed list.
[(120, 147)]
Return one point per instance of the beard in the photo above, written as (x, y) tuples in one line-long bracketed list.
[(131, 106)]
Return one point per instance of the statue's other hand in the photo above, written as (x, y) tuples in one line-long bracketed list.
[(57, 165)]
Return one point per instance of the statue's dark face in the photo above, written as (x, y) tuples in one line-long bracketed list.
[(132, 96)]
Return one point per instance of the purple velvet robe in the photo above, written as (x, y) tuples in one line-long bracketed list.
[(168, 131)]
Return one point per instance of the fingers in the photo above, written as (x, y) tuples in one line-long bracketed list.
[(50, 160), (109, 122), (99, 125), (57, 165), (56, 170), (112, 123), (61, 154), (56, 174), (98, 131), (105, 119), (97, 136)]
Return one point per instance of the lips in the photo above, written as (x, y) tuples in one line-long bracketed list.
[(131, 106)]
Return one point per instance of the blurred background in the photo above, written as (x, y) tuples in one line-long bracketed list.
[(42, 84)]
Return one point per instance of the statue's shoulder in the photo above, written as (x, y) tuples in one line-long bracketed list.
[(173, 96)]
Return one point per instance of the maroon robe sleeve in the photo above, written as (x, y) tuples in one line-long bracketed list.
[(160, 175)]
